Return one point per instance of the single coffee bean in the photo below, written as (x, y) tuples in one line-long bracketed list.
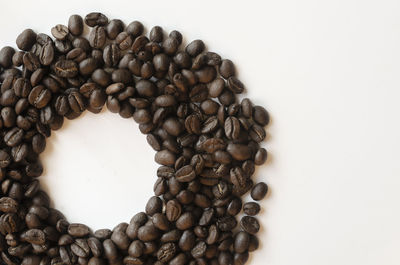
[(113, 28), (259, 191), (249, 224), (227, 69), (97, 37), (60, 32), (26, 39), (75, 25), (6, 54), (31, 61), (78, 230), (96, 19), (195, 47), (260, 115), (251, 208), (185, 174)]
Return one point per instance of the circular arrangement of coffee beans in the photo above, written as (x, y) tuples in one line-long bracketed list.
[(184, 100)]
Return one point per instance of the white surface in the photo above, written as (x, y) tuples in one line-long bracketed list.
[(327, 71)]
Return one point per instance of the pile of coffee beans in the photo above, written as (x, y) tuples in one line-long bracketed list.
[(185, 100)]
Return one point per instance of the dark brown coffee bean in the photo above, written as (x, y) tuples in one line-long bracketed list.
[(166, 252), (259, 191), (173, 210), (66, 68), (113, 28), (213, 144), (75, 25), (185, 221), (60, 32), (78, 230), (26, 39), (135, 28), (6, 54), (195, 47), (251, 208), (34, 236), (185, 174), (148, 233), (7, 205), (39, 96), (260, 115), (249, 224), (261, 156), (227, 69), (13, 137), (31, 61), (154, 205), (97, 37), (111, 55), (239, 152), (96, 19)]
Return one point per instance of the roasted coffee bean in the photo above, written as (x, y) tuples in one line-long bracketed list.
[(239, 152), (78, 230), (257, 133), (31, 61), (226, 69), (97, 37), (260, 115), (148, 233), (111, 55), (261, 156), (113, 28), (154, 205), (251, 208), (66, 68), (185, 174), (96, 19), (75, 25), (195, 47), (60, 32), (6, 54), (259, 191), (249, 224), (26, 39)]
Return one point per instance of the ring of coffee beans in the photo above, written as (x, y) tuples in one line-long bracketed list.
[(183, 99)]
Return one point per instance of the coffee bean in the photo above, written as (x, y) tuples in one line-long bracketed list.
[(173, 210), (251, 208), (26, 39), (148, 233), (96, 19), (97, 37), (31, 61), (6, 54), (135, 28), (34, 236), (66, 68), (154, 205), (60, 32), (260, 115), (185, 174), (113, 28), (195, 47), (261, 156), (249, 224), (259, 191), (75, 25), (78, 230), (111, 55)]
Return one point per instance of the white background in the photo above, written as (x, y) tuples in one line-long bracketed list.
[(327, 71)]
